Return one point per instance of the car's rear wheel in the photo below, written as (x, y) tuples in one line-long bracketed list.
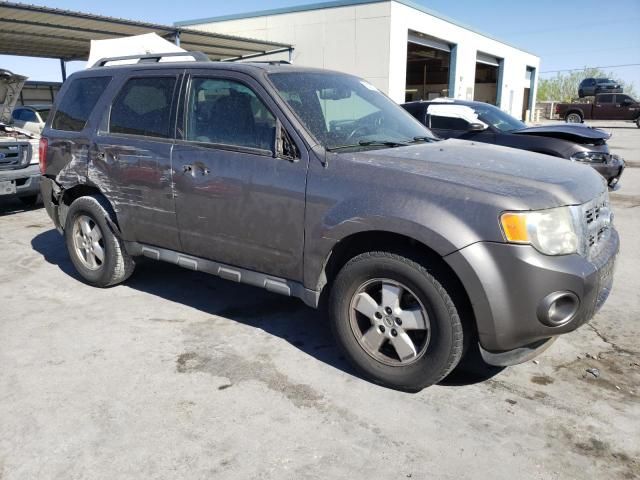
[(638, 122), (580, 93), (395, 321), (573, 117), (97, 254)]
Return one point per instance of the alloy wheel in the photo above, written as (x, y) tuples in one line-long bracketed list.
[(88, 242), (389, 322)]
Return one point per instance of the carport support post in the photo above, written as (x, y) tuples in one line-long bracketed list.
[(63, 69)]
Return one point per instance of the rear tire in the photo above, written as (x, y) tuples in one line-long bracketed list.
[(580, 93), (638, 122), (97, 254), (395, 322), (573, 117)]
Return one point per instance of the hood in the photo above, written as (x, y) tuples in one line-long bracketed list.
[(10, 87), (572, 133), (506, 177)]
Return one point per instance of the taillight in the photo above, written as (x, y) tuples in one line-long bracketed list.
[(42, 154)]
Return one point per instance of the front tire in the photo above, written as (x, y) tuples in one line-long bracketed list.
[(395, 321), (573, 118), (97, 254)]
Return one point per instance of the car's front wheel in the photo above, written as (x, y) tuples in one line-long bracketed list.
[(573, 118), (395, 321), (97, 254)]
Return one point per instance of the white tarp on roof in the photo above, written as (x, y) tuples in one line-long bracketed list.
[(135, 45)]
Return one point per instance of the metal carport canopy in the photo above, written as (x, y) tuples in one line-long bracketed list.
[(33, 31)]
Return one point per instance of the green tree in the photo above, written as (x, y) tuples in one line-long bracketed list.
[(564, 86)]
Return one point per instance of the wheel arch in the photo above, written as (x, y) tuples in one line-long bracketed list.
[(68, 196), (381, 240), (574, 110)]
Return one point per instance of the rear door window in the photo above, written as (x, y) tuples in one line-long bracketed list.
[(143, 107), (228, 112), (606, 98), (78, 103)]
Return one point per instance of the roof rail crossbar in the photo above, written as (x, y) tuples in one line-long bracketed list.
[(153, 57)]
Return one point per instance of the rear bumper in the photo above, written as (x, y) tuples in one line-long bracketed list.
[(26, 180), (508, 284), (49, 190)]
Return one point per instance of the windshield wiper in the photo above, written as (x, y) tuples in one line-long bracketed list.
[(370, 143), (424, 139)]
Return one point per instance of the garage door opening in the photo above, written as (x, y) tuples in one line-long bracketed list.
[(487, 79), (527, 95), (428, 68)]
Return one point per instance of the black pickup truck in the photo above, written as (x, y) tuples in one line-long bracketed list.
[(605, 106)]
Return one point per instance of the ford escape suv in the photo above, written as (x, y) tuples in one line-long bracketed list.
[(314, 184)]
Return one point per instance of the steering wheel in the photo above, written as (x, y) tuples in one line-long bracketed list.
[(356, 130)]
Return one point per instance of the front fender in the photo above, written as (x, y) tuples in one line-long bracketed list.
[(417, 218)]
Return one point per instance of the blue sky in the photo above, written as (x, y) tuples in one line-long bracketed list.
[(564, 33)]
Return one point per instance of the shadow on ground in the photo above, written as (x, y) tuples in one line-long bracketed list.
[(285, 317), (10, 206)]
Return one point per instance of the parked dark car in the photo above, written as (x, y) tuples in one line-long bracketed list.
[(594, 86), (314, 184), (605, 106), (485, 123)]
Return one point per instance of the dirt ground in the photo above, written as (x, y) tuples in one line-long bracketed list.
[(176, 374)]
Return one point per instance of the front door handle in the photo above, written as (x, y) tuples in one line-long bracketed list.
[(192, 169)]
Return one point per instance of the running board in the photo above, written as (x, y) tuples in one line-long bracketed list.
[(227, 272)]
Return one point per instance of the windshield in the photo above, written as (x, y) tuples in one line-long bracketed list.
[(44, 114), (342, 111), (604, 80), (497, 118)]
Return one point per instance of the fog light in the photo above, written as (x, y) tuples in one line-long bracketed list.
[(558, 308)]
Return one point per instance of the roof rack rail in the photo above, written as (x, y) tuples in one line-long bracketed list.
[(274, 62), (153, 57)]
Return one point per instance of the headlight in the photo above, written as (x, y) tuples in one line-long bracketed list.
[(552, 232), (590, 157)]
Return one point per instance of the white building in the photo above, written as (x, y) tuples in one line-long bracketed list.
[(406, 50)]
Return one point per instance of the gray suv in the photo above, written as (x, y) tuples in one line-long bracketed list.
[(314, 184)]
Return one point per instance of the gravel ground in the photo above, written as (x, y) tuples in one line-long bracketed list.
[(176, 374)]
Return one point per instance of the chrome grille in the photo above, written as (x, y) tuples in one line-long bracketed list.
[(596, 224), (12, 155)]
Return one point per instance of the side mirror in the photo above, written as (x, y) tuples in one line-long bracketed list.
[(477, 127)]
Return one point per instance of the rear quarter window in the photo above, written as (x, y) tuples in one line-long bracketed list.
[(78, 102)]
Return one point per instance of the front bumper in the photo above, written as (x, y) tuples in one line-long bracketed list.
[(507, 283), (611, 171), (26, 180)]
